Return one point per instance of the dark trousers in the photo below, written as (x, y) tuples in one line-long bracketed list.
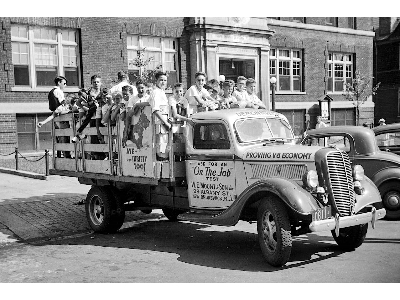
[(90, 113)]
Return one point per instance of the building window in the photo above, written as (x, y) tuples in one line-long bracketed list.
[(343, 116), (331, 21), (296, 120), (39, 54), (163, 52), (351, 22), (286, 67), (30, 137), (340, 70)]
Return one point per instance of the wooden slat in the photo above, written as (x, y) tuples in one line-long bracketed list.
[(96, 147), (65, 147), (67, 164), (98, 166), (66, 117), (93, 131), (64, 132)]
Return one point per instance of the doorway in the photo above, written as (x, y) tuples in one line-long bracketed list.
[(232, 68)]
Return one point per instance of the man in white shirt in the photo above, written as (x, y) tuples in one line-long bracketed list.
[(252, 100), (124, 80), (240, 94)]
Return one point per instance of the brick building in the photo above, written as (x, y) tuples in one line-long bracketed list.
[(387, 100), (309, 57)]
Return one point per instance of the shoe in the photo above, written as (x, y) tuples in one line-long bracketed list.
[(75, 139), (78, 137)]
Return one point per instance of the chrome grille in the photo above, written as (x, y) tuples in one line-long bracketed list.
[(341, 179), (278, 170)]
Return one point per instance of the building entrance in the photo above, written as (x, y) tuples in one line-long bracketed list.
[(232, 68)]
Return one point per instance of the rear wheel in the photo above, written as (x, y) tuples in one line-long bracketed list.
[(390, 193), (350, 238), (274, 231), (104, 210)]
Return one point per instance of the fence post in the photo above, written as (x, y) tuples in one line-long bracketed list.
[(16, 158), (46, 159)]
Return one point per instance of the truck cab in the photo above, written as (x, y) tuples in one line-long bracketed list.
[(224, 166)]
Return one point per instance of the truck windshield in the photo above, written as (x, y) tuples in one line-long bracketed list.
[(262, 129)]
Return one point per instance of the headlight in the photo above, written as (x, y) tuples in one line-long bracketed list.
[(358, 173), (310, 179)]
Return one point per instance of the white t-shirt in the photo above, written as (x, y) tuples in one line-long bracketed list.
[(242, 98), (190, 96), (135, 99), (254, 100), (159, 102), (118, 88)]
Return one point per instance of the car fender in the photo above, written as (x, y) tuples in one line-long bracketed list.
[(299, 200), (369, 196), (385, 175)]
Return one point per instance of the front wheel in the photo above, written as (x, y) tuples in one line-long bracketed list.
[(274, 231), (104, 210), (390, 193), (350, 238)]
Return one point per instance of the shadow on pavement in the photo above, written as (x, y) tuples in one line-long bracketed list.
[(216, 247)]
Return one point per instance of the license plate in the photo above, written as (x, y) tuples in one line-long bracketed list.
[(322, 213)]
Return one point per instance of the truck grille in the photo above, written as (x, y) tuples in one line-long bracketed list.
[(341, 179)]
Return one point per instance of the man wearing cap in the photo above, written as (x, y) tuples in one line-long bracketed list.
[(382, 122)]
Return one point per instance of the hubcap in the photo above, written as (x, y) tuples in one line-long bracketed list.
[(96, 210), (392, 200), (269, 231)]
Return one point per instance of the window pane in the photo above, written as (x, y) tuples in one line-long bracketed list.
[(133, 40), (45, 141), (26, 141), (20, 53), (170, 62), (26, 123), (19, 31), (69, 55), (45, 76), (296, 84), (350, 22), (172, 78), (21, 75), (272, 52), (156, 59), (338, 85), (330, 84), (284, 53), (72, 76), (169, 43), (272, 67), (68, 35), (45, 55), (284, 68), (152, 42), (44, 33), (284, 83)]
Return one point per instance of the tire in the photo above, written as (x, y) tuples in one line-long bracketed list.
[(104, 210), (274, 231), (172, 214), (390, 193), (351, 238)]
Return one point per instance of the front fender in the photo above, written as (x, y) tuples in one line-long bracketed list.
[(370, 195), (298, 199), (386, 174)]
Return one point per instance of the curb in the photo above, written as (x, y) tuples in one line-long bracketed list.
[(23, 173)]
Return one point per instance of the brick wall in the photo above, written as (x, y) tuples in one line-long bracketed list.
[(8, 133)]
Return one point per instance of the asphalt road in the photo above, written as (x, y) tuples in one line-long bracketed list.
[(151, 249)]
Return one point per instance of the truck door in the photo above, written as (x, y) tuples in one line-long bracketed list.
[(210, 166)]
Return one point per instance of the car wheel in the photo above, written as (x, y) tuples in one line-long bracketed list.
[(390, 193), (274, 231), (104, 210)]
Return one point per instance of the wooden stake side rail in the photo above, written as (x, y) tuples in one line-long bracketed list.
[(109, 160)]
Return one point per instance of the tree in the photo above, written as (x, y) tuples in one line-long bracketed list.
[(142, 63), (358, 91)]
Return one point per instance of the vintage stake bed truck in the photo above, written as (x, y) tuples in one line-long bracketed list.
[(229, 165)]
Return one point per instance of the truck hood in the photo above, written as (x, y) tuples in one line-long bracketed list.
[(273, 152)]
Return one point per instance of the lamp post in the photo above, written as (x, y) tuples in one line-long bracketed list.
[(272, 81)]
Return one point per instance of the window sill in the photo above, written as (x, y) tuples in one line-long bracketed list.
[(42, 89)]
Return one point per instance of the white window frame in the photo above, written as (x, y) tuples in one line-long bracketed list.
[(163, 49), (344, 63), (59, 42), (274, 56)]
